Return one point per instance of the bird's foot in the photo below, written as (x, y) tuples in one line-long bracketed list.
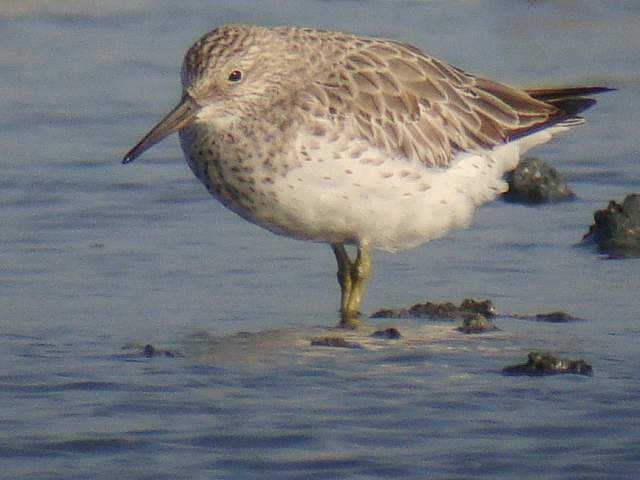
[(350, 322)]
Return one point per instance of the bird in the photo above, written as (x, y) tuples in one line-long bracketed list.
[(351, 140)]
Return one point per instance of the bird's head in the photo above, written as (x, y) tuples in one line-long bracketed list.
[(228, 72)]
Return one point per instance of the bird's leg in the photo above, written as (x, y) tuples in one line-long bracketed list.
[(352, 277), (359, 274), (344, 275)]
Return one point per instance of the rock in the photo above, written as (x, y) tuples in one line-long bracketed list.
[(533, 181), (483, 307), (617, 228), (558, 316), (555, 317), (440, 311), (150, 351), (389, 333), (476, 324), (547, 364), (338, 342)]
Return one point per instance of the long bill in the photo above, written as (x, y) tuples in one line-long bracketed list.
[(180, 117)]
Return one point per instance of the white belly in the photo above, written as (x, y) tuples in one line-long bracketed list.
[(391, 203), (347, 191)]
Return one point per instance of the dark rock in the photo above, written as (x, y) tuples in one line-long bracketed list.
[(136, 349), (338, 342), (150, 351), (391, 313), (389, 333), (555, 317), (558, 316), (483, 307), (617, 228), (547, 364), (476, 324), (440, 311), (533, 181)]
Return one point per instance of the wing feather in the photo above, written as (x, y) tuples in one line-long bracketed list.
[(414, 105)]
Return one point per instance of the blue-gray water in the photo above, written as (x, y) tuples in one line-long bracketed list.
[(96, 256)]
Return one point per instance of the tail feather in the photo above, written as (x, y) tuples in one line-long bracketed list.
[(547, 94), (572, 106), (568, 101)]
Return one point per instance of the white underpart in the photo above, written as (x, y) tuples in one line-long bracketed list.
[(391, 203)]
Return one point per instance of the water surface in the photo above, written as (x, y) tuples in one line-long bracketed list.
[(96, 256)]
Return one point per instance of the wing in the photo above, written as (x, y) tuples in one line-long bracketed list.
[(414, 105)]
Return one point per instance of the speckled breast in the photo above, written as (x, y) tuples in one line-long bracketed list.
[(238, 170)]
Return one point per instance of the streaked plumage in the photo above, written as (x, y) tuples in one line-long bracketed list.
[(344, 139)]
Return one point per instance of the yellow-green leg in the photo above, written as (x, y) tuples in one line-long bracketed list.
[(344, 275), (359, 275), (352, 277)]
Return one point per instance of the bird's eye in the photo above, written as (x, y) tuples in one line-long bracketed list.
[(235, 76)]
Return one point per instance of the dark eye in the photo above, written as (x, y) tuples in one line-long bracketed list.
[(235, 76)]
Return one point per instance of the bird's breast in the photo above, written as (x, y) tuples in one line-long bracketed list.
[(241, 167)]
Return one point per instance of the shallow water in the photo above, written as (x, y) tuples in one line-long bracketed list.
[(97, 256)]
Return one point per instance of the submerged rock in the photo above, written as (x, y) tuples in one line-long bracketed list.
[(617, 228), (547, 364), (555, 317), (148, 351), (440, 311), (476, 324), (534, 181), (338, 342), (389, 333), (558, 316)]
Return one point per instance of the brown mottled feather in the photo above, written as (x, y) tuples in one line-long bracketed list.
[(428, 110)]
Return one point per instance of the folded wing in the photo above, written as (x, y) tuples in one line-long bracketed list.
[(414, 105)]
